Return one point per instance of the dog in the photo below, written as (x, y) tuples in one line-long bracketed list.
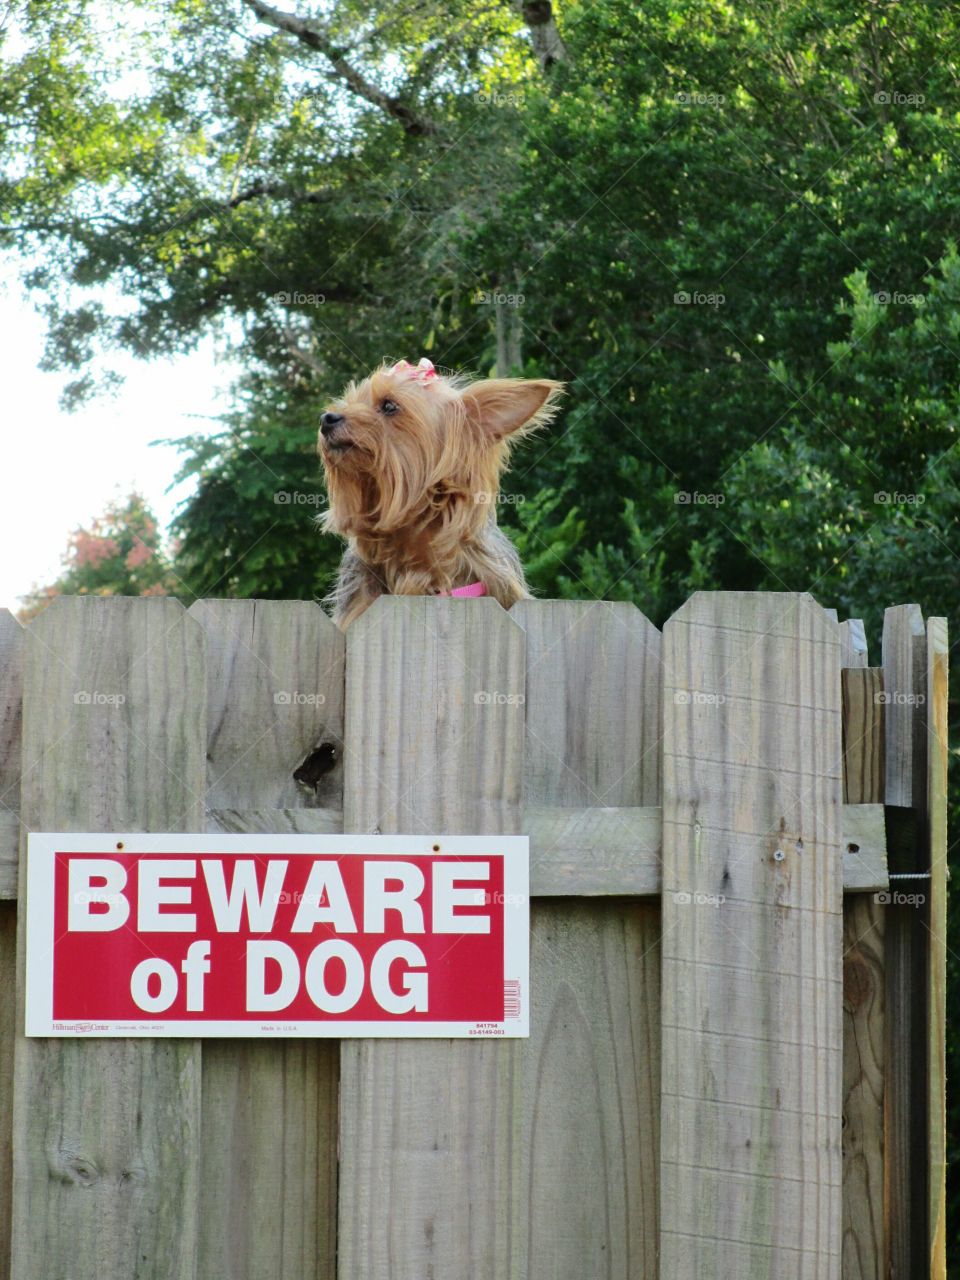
[(413, 461)]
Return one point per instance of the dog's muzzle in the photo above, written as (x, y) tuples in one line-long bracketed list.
[(333, 429)]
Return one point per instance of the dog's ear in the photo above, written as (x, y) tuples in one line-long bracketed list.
[(503, 406)]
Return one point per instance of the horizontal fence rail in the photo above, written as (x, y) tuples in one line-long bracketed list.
[(737, 843)]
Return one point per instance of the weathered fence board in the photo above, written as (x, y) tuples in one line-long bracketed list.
[(588, 850), (269, 1108), (11, 697), (864, 848), (281, 822), (864, 1245), (863, 762), (853, 643), (591, 1069), (428, 1128), (750, 1157), (106, 1132), (904, 681), (589, 1128), (11, 700), (586, 654), (8, 1035), (936, 920), (275, 692), (905, 943), (606, 852)]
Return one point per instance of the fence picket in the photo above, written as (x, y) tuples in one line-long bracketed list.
[(936, 709), (106, 1147), (853, 643), (11, 699), (428, 1128), (864, 1236), (752, 926), (275, 693), (905, 941), (269, 1108), (593, 740), (11, 702), (8, 1035)]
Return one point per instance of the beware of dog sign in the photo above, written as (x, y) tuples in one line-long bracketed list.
[(173, 935)]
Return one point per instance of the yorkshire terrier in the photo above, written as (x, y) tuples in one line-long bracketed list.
[(413, 462)]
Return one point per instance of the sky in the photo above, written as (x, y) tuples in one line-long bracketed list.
[(60, 470)]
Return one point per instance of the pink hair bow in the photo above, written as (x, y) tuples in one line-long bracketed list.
[(424, 371)]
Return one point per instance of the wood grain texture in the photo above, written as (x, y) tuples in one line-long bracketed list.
[(592, 1066), (589, 1122), (275, 692), (429, 1129), (11, 702), (751, 1007), (906, 1173), (9, 840), (107, 1132), (438, 688), (904, 680), (591, 1069), (864, 1238), (853, 643), (269, 1109), (586, 852), (936, 919), (864, 849), (589, 653), (8, 1035), (294, 822), (863, 753)]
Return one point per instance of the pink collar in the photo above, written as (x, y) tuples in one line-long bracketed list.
[(473, 589)]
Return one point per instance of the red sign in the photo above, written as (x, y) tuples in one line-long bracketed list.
[(277, 935)]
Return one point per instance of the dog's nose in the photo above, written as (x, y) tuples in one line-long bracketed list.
[(330, 420)]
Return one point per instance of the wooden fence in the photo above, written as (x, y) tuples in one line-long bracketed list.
[(738, 869)]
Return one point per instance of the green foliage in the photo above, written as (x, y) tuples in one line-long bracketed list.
[(250, 528)]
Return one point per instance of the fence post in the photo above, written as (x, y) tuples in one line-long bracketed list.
[(106, 1132), (752, 924), (268, 1196), (433, 744)]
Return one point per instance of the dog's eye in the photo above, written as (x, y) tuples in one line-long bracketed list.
[(389, 407)]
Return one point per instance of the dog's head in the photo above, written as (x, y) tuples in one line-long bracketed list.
[(407, 447)]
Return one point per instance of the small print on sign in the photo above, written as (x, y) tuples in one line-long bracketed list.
[(173, 935)]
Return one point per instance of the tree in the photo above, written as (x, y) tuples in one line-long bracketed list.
[(265, 182), (665, 213), (120, 554)]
